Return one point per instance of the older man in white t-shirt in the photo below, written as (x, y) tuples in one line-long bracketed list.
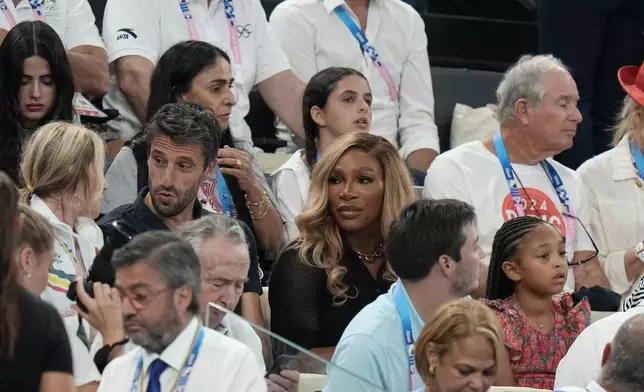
[(512, 173), (138, 32), (73, 20)]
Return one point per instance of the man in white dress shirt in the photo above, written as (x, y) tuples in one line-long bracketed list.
[(158, 278), (314, 35), (220, 244), (73, 20), (621, 361), (138, 32)]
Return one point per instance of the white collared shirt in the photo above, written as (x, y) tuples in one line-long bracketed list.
[(148, 28), (223, 364), (291, 188), (62, 272), (582, 362), (617, 211), (314, 38), (73, 20)]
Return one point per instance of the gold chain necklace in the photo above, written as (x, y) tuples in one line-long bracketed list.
[(370, 257)]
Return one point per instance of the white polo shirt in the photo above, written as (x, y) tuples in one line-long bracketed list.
[(223, 365), (147, 28), (314, 38), (73, 20)]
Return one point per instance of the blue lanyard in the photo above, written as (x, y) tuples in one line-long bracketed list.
[(185, 372), (369, 50), (223, 193), (403, 310), (637, 157), (502, 154), (553, 176)]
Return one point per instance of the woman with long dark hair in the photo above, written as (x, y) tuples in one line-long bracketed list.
[(336, 101), (34, 350), (36, 87)]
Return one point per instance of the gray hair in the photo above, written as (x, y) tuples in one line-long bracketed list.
[(623, 370), (172, 258), (221, 226), (523, 80), (187, 123)]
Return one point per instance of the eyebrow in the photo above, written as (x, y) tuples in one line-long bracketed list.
[(221, 81)]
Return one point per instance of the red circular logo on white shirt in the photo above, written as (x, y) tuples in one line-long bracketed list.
[(540, 205)]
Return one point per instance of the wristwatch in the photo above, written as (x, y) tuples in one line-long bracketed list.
[(639, 251)]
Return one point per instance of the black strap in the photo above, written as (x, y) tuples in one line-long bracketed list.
[(101, 359)]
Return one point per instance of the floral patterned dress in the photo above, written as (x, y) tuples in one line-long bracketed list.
[(535, 354)]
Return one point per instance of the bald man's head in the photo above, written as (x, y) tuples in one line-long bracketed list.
[(622, 361)]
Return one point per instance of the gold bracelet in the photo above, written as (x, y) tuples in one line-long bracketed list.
[(262, 200), (261, 213)]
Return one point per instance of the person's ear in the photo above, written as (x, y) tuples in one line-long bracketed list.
[(447, 266), (318, 116), (606, 353), (511, 269), (26, 259), (209, 168), (522, 110), (183, 297)]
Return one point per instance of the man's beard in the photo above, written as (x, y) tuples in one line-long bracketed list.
[(159, 336), (184, 197), (464, 283)]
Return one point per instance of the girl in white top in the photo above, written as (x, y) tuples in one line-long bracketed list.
[(62, 170), (336, 101), (614, 183)]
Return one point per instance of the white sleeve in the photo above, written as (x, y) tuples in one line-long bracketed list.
[(4, 23), (286, 189), (296, 34), (612, 263), (269, 55), (81, 28), (582, 362), (121, 180), (248, 377), (417, 128), (131, 28), (445, 180)]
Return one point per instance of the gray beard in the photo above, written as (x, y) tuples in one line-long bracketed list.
[(161, 336)]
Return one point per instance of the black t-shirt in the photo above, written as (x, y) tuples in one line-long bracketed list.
[(302, 309), (142, 219), (42, 346)]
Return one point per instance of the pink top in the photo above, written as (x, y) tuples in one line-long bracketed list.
[(534, 354)]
